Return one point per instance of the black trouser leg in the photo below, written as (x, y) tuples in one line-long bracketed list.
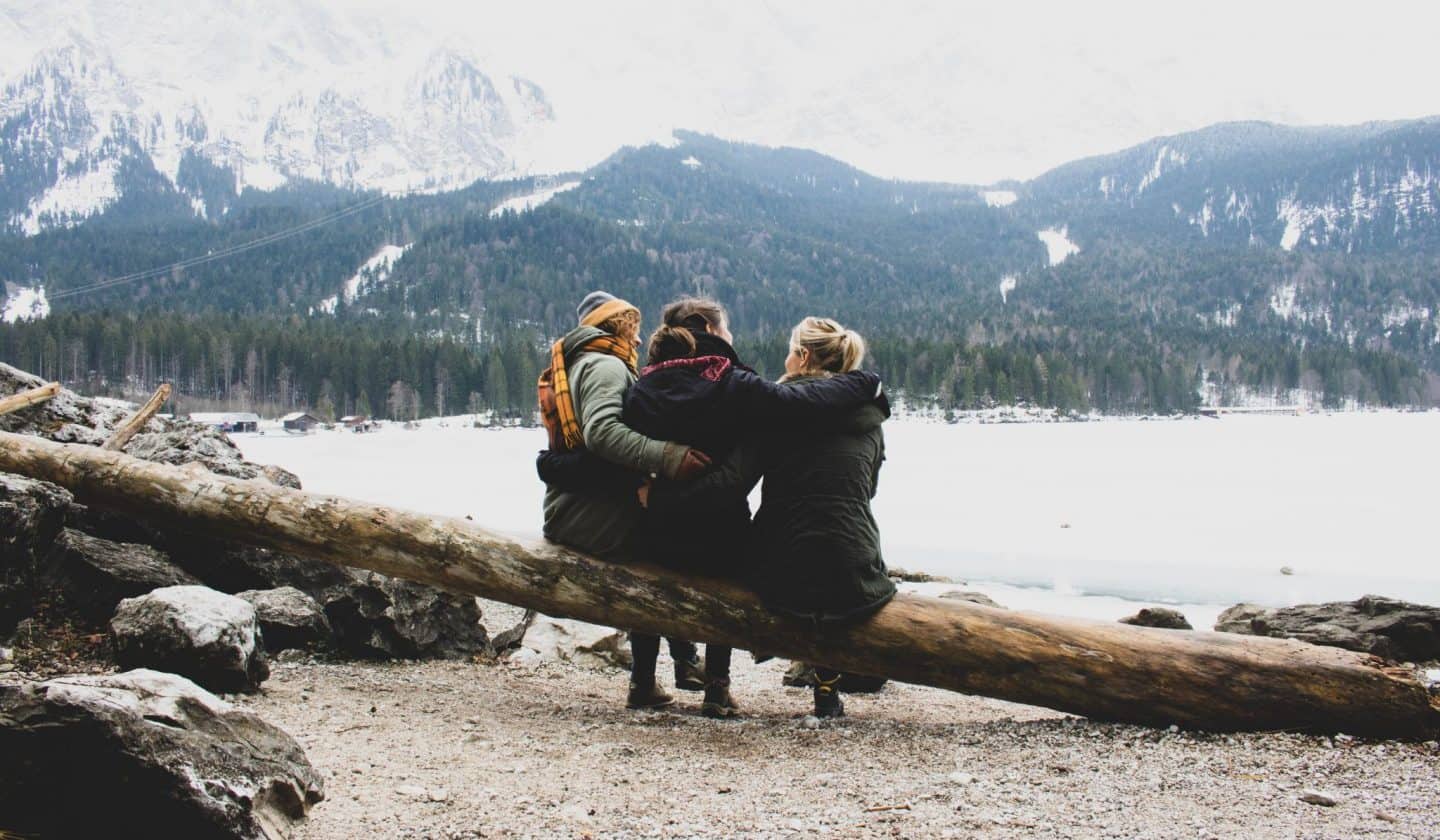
[(683, 651), (644, 650), (717, 662)]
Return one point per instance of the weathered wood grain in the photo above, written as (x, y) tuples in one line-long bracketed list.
[(1097, 669), (116, 442), (27, 398)]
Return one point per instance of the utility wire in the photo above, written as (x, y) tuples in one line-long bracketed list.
[(220, 254)]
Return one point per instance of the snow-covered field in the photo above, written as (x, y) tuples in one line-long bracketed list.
[(1090, 519)]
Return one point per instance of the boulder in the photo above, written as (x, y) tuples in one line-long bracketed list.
[(378, 617), (207, 636), (88, 577), (1386, 627), (192, 443), (371, 616), (1162, 617), (566, 640), (288, 618), (973, 597), (32, 514), (144, 753)]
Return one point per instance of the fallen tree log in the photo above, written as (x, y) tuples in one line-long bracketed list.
[(25, 399), (1101, 670), (138, 420)]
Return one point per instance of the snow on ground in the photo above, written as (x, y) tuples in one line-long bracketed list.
[(529, 201), (1007, 285), (691, 162), (1090, 519), (1058, 244), (375, 269), (73, 199), (24, 303), (999, 198)]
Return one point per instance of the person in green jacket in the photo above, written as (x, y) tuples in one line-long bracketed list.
[(596, 362), (817, 543)]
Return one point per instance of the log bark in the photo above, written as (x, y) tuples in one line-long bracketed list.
[(1102, 670), (116, 442), (24, 399)]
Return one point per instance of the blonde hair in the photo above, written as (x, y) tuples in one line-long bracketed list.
[(831, 347), (672, 339), (625, 324)]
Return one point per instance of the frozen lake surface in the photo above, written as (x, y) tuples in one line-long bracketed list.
[(1081, 519)]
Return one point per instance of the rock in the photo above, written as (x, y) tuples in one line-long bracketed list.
[(810, 722), (207, 636), (1286, 570), (973, 597), (1386, 627), (32, 514), (907, 576), (1161, 617), (71, 418), (89, 576), (566, 640), (962, 778), (388, 618), (192, 765), (412, 791), (288, 618), (1318, 797)]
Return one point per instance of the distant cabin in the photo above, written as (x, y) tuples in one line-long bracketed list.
[(228, 421), (299, 421), (357, 422)]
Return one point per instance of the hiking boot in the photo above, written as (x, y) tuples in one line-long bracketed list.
[(647, 696), (689, 674), (718, 702), (827, 699)]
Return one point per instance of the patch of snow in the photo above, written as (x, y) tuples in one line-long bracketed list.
[(24, 303), (1226, 317), (1007, 285), (72, 199), (1107, 185), (691, 162), (999, 198), (1282, 300), (529, 201), (374, 270), (1401, 315), (1295, 218), (1058, 243), (1167, 158)]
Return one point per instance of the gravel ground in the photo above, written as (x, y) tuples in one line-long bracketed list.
[(457, 750)]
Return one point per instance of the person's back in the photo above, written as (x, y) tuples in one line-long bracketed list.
[(815, 526)]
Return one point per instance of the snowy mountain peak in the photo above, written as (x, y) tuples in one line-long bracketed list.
[(72, 121)]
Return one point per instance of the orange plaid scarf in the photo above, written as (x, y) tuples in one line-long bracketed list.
[(615, 346)]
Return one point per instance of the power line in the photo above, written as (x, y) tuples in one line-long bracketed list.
[(222, 253)]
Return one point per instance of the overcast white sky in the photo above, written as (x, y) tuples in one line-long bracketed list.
[(970, 92), (962, 91)]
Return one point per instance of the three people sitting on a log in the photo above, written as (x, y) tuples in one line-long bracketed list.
[(656, 465)]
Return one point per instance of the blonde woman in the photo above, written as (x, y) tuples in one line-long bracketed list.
[(818, 543)]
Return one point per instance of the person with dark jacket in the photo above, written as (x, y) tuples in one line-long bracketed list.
[(815, 538), (591, 367), (696, 391)]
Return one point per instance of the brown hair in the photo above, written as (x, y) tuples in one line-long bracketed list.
[(831, 347), (673, 338)]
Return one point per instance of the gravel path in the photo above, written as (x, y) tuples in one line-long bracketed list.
[(452, 750)]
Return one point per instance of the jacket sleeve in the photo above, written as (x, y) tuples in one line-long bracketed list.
[(764, 402), (737, 475), (599, 389)]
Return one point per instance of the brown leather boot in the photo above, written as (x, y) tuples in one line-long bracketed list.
[(647, 696), (689, 674), (718, 702)]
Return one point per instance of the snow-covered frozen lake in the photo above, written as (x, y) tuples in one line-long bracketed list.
[(1081, 519)]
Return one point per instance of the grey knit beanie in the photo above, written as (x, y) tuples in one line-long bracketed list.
[(592, 301)]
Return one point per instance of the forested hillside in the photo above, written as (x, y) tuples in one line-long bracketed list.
[(963, 300)]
